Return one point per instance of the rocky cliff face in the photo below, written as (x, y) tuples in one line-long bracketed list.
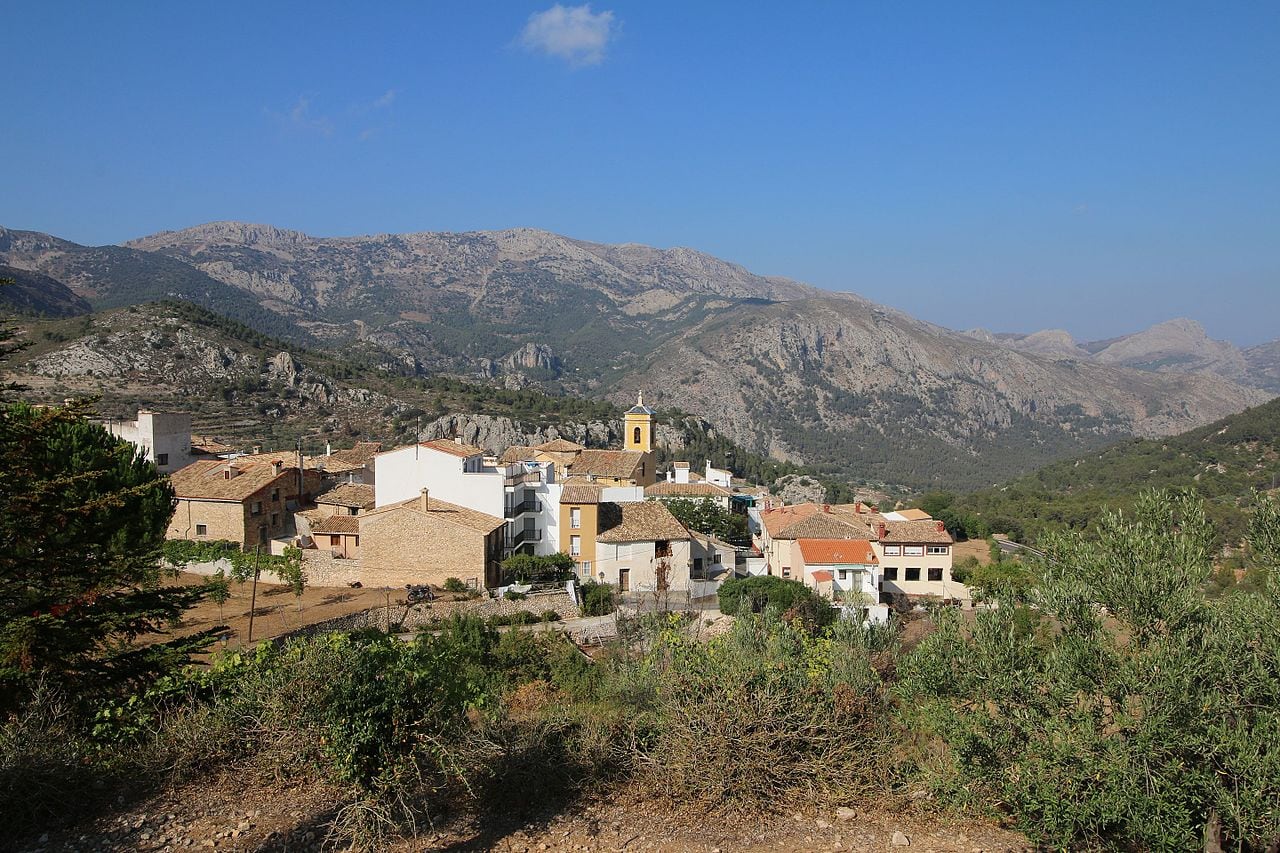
[(874, 393), (496, 434)]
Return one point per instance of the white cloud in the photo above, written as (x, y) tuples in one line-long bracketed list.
[(572, 33), (385, 100)]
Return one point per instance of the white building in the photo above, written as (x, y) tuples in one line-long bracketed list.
[(165, 436), (526, 494)]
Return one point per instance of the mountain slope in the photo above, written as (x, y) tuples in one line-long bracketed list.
[(1224, 461), (860, 391), (468, 301), (112, 276), (33, 293), (864, 392)]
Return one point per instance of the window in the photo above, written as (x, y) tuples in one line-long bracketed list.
[(935, 574), (257, 508), (938, 549), (202, 530), (891, 573), (913, 550), (844, 574), (275, 519), (575, 546), (575, 517), (913, 574), (635, 436), (892, 550), (351, 510), (162, 458), (586, 568), (335, 541), (275, 496), (786, 571)]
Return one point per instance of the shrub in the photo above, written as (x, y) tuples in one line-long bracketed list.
[(598, 599), (454, 585), (786, 596), (513, 595), (1145, 719)]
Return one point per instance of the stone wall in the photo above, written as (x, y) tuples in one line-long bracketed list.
[(410, 618)]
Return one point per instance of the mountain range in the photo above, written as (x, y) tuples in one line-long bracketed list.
[(852, 389), (1174, 346)]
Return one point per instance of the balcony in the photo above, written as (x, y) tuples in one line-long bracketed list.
[(520, 537), (530, 505)]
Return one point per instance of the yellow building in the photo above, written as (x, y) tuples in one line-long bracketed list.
[(639, 426), (579, 522)]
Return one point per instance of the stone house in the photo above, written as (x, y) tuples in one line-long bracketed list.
[(338, 534), (426, 540), (345, 499), (641, 547), (240, 500)]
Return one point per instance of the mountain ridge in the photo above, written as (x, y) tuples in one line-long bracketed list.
[(856, 390)]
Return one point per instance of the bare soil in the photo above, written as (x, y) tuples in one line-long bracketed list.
[(277, 611), (232, 814)]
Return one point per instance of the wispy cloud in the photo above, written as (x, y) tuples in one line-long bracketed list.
[(572, 33), (385, 100), (301, 117)]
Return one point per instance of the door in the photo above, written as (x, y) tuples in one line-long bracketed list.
[(624, 580)]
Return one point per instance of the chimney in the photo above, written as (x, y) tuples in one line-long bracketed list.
[(328, 449), (942, 528), (277, 467), (458, 439), (826, 507), (230, 471), (880, 530), (425, 503), (257, 448), (682, 472), (859, 508)]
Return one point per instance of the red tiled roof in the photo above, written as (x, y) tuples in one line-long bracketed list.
[(822, 575), (826, 552)]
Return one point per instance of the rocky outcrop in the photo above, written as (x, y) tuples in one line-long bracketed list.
[(495, 434)]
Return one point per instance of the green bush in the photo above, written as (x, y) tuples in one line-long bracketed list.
[(513, 595), (1139, 714), (791, 598), (598, 599), (454, 585)]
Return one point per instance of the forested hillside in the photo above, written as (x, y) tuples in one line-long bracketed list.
[(1224, 462)]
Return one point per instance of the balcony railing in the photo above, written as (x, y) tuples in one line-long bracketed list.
[(522, 536), (530, 505)]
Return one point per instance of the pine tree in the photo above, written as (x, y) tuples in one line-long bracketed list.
[(82, 518)]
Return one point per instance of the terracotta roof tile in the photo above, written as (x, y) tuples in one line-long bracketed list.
[(444, 511), (519, 453), (349, 524), (822, 575), (454, 448), (559, 445), (580, 493), (360, 455), (685, 490), (638, 521), (915, 532), (819, 552), (915, 515), (349, 494), (619, 464), (206, 480)]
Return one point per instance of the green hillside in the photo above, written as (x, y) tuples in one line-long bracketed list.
[(1225, 462)]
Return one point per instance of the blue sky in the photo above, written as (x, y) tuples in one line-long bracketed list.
[(1094, 166)]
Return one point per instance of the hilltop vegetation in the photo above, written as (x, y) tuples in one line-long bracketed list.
[(1225, 462)]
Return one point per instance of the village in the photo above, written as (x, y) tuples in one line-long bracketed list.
[(443, 514)]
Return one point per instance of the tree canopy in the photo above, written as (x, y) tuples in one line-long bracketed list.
[(82, 518)]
